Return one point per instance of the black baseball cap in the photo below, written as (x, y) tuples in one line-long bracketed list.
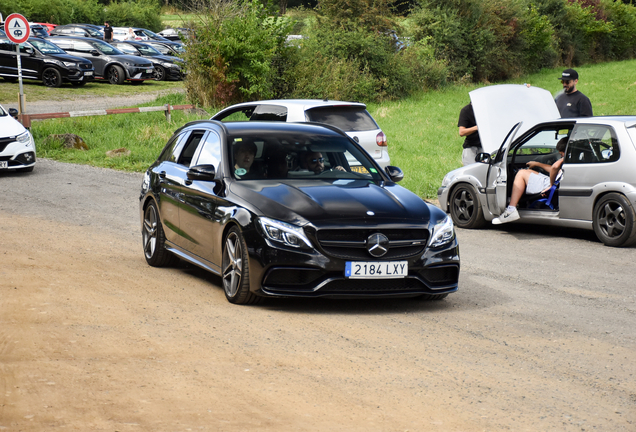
[(569, 74)]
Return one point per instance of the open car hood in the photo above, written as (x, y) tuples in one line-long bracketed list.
[(498, 108)]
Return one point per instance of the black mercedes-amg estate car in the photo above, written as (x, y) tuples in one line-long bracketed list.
[(276, 210)]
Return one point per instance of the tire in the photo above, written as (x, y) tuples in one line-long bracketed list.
[(614, 221), (116, 75), (159, 73), (235, 270), (154, 239), (78, 83), (465, 209), (52, 77)]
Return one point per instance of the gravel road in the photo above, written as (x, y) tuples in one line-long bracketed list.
[(540, 336)]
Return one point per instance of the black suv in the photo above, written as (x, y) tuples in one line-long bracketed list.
[(166, 67), (77, 30), (41, 60), (109, 62)]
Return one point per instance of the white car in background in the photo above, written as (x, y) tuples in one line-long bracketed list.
[(351, 117), (17, 148)]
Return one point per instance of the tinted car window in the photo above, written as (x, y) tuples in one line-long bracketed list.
[(346, 118), (592, 144), (190, 148), (127, 49), (211, 151)]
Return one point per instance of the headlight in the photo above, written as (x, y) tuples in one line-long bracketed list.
[(24, 138), (70, 64), (448, 178), (443, 232), (284, 233), (145, 183)]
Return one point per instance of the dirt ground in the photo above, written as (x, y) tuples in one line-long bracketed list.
[(93, 339)]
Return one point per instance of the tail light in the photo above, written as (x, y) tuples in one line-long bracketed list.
[(380, 139)]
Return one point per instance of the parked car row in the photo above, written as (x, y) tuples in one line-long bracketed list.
[(78, 60)]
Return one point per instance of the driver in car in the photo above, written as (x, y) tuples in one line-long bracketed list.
[(532, 182), (316, 163)]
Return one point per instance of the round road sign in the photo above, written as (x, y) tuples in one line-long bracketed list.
[(17, 28)]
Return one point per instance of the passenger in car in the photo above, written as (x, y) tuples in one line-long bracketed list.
[(244, 154), (532, 182)]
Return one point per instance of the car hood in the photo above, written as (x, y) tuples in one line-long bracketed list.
[(329, 202), (9, 127), (68, 58), (498, 108)]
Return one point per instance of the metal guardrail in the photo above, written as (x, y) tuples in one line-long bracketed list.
[(25, 119)]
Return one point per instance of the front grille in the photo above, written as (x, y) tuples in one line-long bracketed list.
[(351, 244), (4, 142), (85, 66)]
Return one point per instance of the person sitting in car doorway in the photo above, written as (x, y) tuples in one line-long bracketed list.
[(244, 154), (532, 182)]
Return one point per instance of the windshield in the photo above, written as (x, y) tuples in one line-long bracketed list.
[(147, 50), (106, 48), (2, 112), (94, 33), (46, 47), (299, 157)]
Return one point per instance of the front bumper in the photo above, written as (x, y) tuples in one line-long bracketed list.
[(316, 273), (16, 155), (140, 74)]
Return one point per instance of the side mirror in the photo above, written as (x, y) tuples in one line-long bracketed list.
[(95, 53), (30, 51), (13, 113), (483, 158), (202, 173), (394, 173)]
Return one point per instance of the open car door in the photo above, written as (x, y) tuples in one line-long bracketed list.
[(497, 177)]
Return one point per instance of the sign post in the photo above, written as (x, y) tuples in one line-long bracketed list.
[(18, 31)]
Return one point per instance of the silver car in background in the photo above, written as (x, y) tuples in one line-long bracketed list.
[(597, 190), (351, 117)]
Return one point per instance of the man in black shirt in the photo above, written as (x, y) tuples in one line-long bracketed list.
[(468, 128), (108, 32), (572, 103)]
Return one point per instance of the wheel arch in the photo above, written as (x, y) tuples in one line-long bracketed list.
[(116, 63)]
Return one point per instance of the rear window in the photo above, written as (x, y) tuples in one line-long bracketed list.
[(347, 118)]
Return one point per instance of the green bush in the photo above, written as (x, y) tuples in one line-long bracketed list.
[(55, 11), (233, 57), (143, 13), (485, 40)]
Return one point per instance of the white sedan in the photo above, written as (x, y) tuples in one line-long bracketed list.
[(17, 148)]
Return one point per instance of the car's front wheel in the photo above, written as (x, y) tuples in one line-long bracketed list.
[(159, 73), (154, 239), (235, 270), (614, 220), (52, 77), (116, 75), (464, 207)]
